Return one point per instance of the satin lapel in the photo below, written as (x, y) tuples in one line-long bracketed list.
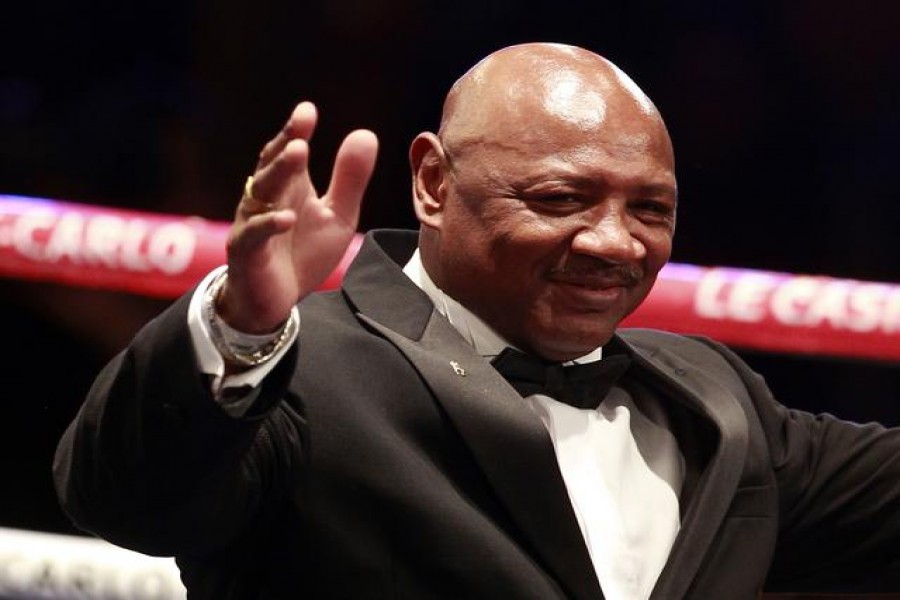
[(684, 382), (511, 446), (376, 286)]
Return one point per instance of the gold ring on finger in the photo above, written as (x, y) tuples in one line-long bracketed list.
[(253, 205)]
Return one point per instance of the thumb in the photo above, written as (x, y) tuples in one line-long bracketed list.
[(353, 168)]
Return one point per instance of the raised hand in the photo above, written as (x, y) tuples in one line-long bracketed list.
[(286, 238)]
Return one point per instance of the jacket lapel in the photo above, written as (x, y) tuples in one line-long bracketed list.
[(508, 441), (681, 381)]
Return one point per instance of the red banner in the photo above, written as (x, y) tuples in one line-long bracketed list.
[(76, 244), (778, 312)]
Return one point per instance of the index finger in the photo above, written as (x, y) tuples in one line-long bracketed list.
[(300, 125)]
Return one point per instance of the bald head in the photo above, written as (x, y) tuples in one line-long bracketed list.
[(547, 199), (517, 86)]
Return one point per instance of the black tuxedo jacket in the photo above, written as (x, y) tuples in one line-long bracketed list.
[(383, 458)]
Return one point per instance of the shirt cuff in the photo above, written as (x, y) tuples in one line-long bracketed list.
[(208, 358)]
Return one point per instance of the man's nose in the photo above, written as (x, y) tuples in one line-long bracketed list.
[(609, 237)]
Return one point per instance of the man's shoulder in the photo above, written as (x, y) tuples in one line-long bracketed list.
[(682, 351), (655, 339)]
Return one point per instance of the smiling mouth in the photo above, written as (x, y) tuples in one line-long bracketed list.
[(590, 296), (593, 290)]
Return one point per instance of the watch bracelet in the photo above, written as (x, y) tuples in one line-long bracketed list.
[(245, 356)]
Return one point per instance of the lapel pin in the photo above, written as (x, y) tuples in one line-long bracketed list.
[(457, 369)]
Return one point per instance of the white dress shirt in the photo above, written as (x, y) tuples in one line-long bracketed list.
[(620, 463)]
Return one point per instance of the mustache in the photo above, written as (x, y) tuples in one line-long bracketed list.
[(598, 274)]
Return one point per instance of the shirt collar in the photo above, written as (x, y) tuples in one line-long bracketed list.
[(475, 331)]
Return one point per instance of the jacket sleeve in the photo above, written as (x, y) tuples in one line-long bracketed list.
[(151, 462), (839, 494)]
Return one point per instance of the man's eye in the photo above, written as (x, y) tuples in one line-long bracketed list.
[(655, 207), (556, 199), (555, 204), (655, 211)]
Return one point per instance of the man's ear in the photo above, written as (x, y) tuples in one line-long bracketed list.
[(428, 164)]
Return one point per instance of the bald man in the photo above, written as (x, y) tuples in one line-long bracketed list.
[(465, 419)]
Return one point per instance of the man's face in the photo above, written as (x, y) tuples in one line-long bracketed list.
[(553, 231)]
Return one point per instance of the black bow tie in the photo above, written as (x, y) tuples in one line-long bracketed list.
[(582, 386)]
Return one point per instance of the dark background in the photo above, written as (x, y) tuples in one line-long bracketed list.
[(784, 116)]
